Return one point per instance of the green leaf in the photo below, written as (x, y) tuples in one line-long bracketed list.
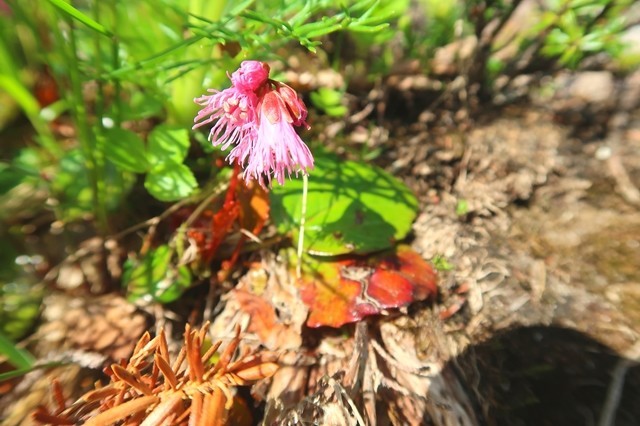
[(168, 143), (441, 263), (19, 358), (351, 208), (21, 94), (22, 371), (20, 300), (9, 177), (72, 188), (336, 111), (330, 101), (23, 167), (79, 16), (155, 276), (29, 160), (126, 150), (170, 181), (141, 105), (462, 207)]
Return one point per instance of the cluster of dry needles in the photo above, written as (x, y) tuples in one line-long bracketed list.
[(150, 390)]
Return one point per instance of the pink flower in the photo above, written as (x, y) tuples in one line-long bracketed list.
[(233, 111), (251, 75), (257, 115)]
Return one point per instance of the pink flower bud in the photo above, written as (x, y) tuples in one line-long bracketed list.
[(250, 76), (297, 109)]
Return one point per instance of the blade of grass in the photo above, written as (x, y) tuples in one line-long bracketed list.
[(17, 357), (79, 16), (30, 106), (22, 371)]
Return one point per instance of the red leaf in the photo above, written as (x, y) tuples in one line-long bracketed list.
[(254, 201), (223, 219), (330, 297), (415, 269), (46, 89), (252, 206), (244, 206), (345, 291), (390, 289)]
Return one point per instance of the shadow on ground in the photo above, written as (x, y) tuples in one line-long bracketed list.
[(546, 376)]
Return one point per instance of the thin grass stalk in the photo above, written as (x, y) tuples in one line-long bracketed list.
[(303, 214), (85, 135), (99, 153), (115, 64)]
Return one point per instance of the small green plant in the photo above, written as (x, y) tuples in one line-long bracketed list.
[(441, 263), (462, 207), (330, 101), (578, 29), (564, 34)]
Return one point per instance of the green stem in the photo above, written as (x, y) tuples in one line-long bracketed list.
[(115, 64), (99, 152), (85, 136), (22, 371), (303, 214)]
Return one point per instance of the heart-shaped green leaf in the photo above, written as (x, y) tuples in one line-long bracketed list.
[(154, 275), (351, 208), (168, 142), (72, 188), (170, 181), (126, 150), (141, 105)]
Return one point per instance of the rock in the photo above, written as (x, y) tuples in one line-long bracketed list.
[(631, 38), (593, 86)]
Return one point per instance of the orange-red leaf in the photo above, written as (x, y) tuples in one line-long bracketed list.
[(390, 289), (254, 201), (330, 297), (347, 290), (413, 267), (262, 314)]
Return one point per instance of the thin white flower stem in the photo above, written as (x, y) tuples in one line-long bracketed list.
[(303, 214)]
